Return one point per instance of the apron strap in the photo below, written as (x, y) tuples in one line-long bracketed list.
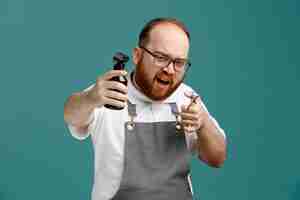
[(175, 112), (174, 108), (132, 114), (131, 109)]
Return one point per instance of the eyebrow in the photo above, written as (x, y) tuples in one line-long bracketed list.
[(166, 55)]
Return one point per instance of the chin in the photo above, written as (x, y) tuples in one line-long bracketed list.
[(163, 95), (159, 97)]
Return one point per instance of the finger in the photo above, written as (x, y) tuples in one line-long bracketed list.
[(188, 122), (115, 85), (113, 73), (115, 95), (191, 116), (190, 109), (114, 102), (189, 129), (194, 108), (184, 108)]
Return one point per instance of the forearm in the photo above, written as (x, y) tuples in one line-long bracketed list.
[(78, 110), (211, 144)]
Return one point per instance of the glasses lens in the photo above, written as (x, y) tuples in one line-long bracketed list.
[(161, 61), (180, 65)]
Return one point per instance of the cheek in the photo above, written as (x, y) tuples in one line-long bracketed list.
[(146, 76), (150, 71), (177, 79)]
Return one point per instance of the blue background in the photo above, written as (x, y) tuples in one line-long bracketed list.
[(245, 57)]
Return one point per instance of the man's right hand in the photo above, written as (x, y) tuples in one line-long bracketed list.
[(103, 92)]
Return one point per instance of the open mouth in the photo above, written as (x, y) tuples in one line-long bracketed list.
[(164, 82)]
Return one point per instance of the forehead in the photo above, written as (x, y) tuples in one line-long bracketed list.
[(170, 39)]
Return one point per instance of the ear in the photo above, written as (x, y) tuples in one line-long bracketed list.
[(136, 55)]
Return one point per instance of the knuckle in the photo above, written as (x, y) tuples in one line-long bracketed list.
[(99, 78)]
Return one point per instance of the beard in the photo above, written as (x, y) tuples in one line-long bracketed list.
[(157, 88)]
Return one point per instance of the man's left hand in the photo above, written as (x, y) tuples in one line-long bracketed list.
[(193, 116)]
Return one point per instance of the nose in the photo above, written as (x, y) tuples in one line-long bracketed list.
[(168, 69)]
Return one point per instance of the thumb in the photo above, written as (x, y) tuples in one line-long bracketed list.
[(112, 73), (183, 107)]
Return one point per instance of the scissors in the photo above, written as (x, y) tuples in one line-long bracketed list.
[(193, 98)]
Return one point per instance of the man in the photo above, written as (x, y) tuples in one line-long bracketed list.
[(143, 150)]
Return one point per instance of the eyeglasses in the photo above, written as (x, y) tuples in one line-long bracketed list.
[(161, 60)]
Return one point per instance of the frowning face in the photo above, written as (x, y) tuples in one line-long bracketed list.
[(155, 80)]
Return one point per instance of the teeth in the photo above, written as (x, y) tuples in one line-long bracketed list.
[(163, 81)]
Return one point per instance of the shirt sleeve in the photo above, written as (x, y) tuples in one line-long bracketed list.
[(214, 121)]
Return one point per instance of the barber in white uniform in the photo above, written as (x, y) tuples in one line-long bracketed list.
[(143, 150)]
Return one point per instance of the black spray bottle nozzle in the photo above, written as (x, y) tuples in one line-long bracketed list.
[(120, 58)]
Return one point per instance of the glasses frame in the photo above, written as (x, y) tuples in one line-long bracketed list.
[(171, 60)]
